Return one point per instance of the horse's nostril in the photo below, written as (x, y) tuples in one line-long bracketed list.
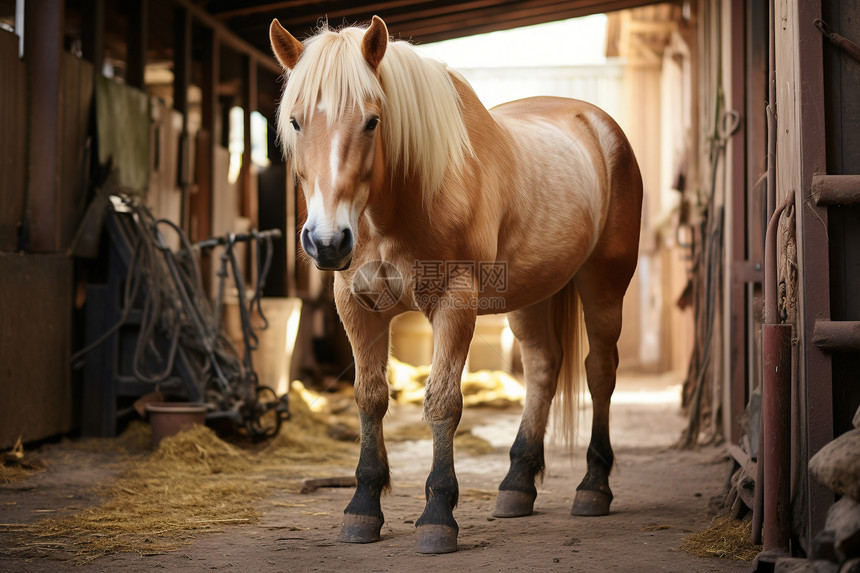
[(345, 244), (307, 242)]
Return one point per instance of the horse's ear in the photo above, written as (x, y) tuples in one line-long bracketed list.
[(287, 49), (374, 42)]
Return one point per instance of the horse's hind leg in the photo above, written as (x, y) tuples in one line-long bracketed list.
[(601, 285), (542, 354)]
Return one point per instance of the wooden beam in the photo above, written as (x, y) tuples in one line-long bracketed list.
[(837, 335), (503, 17), (228, 38), (138, 33), (44, 21), (836, 189), (449, 21)]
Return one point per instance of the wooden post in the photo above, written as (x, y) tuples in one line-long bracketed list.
[(138, 31), (43, 50), (249, 104), (93, 33), (181, 79), (736, 227), (202, 200)]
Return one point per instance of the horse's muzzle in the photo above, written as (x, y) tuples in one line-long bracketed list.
[(330, 253)]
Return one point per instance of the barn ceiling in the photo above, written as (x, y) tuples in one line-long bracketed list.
[(422, 22)]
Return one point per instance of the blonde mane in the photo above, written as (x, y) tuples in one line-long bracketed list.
[(423, 128)]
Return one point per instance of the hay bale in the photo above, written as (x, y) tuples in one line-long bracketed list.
[(725, 538), (837, 465)]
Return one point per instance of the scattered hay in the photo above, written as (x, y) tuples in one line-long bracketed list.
[(469, 443), (192, 484), (408, 432), (483, 494), (655, 527), (492, 388), (11, 474), (305, 437), (135, 439), (18, 465), (197, 450), (725, 538)]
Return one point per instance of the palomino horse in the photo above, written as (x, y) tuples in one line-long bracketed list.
[(535, 205)]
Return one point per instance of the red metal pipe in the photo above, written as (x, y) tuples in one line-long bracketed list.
[(776, 422), (776, 394)]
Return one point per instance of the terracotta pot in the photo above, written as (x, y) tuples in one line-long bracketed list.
[(170, 418)]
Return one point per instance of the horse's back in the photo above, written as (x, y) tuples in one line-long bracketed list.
[(579, 117)]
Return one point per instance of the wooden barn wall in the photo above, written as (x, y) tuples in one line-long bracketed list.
[(13, 152), (842, 84), (36, 399)]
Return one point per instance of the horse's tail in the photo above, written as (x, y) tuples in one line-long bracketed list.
[(567, 314)]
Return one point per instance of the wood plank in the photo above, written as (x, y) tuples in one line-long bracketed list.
[(801, 150), (35, 388)]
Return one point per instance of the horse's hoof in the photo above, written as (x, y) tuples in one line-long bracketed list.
[(360, 528), (591, 503), (435, 539), (511, 503)]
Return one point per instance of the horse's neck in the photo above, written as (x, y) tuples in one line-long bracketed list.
[(397, 211)]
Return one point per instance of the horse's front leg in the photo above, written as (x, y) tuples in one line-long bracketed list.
[(368, 334), (453, 325)]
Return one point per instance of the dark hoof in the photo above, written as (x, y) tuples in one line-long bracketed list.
[(360, 528), (591, 503), (435, 539), (510, 503)]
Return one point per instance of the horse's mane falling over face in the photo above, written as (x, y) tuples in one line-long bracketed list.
[(422, 129)]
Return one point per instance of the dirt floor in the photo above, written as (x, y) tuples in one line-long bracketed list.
[(661, 496)]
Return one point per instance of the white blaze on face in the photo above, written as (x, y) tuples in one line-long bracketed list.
[(334, 158), (326, 220), (327, 226)]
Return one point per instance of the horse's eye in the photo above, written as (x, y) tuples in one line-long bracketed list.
[(295, 124), (372, 123)]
